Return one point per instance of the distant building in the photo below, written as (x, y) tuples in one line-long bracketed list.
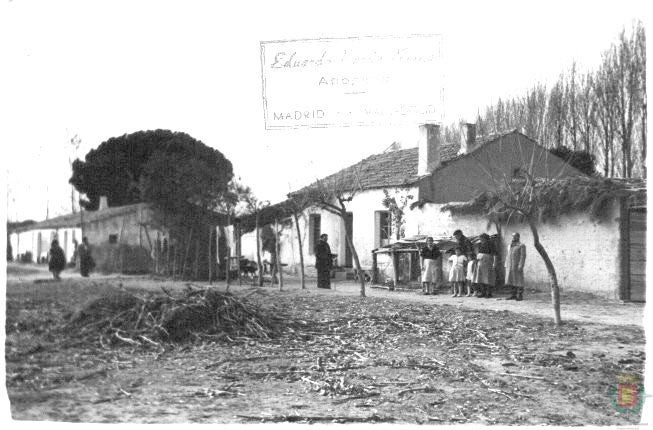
[(122, 238)]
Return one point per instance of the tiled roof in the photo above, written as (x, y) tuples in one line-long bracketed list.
[(395, 168), (74, 220)]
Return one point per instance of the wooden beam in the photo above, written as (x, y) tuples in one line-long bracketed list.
[(624, 250)]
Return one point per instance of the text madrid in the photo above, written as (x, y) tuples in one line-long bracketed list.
[(298, 115)]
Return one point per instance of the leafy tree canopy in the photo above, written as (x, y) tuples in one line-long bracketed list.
[(581, 160), (156, 166)]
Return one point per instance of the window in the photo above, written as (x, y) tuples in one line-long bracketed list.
[(314, 230), (382, 228), (113, 238)]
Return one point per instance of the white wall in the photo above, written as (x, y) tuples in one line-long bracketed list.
[(584, 252), (431, 221), (28, 241), (363, 206)]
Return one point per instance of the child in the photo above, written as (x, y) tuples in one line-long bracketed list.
[(457, 272), (471, 268)]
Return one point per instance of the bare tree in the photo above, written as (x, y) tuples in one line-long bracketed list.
[(629, 68), (254, 207), (605, 92), (640, 53), (333, 194), (556, 114), (586, 112), (516, 198), (297, 205), (570, 101)]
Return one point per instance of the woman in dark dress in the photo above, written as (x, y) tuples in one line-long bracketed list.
[(56, 259), (86, 262), (323, 262)]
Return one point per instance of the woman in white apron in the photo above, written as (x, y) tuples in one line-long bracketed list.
[(431, 267)]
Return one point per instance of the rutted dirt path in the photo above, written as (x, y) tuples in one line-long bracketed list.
[(391, 357)]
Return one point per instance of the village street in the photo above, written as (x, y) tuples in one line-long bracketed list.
[(578, 307), (390, 357)]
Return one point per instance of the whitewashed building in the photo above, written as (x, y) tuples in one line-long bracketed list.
[(436, 173)]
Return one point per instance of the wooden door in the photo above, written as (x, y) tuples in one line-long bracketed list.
[(637, 255)]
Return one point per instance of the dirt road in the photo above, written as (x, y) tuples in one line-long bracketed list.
[(391, 357)]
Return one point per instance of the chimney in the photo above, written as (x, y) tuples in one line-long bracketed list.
[(103, 203), (428, 149), (467, 138)]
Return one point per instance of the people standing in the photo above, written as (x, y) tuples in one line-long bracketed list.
[(323, 262), (431, 267), (86, 262), (485, 267), (515, 268), (457, 271), (471, 270), (56, 259), (464, 243)]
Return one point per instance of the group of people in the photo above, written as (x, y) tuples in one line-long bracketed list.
[(57, 258), (474, 268)]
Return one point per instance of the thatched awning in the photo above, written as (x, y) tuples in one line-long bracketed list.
[(551, 198)]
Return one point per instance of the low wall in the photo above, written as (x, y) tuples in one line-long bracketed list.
[(585, 253)]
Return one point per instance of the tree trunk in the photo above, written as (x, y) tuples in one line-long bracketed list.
[(555, 290), (301, 252), (209, 253), (175, 257), (197, 257), (277, 249), (643, 150), (184, 263), (227, 274), (228, 263), (354, 254), (258, 252)]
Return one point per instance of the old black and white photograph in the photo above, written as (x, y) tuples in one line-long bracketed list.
[(420, 213)]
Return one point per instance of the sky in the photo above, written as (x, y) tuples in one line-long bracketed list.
[(103, 69)]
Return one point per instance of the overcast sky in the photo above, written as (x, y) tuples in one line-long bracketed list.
[(102, 69)]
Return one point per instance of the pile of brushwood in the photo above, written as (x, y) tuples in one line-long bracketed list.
[(195, 314)]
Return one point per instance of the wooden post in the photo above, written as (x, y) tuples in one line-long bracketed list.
[(197, 257), (277, 248), (120, 256), (301, 251), (375, 277), (210, 259), (624, 249), (395, 266)]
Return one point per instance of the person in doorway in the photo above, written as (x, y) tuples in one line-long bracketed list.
[(457, 272), (431, 267), (515, 268), (56, 259), (86, 262), (485, 267), (323, 263)]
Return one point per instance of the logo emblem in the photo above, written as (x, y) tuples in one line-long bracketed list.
[(628, 395)]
